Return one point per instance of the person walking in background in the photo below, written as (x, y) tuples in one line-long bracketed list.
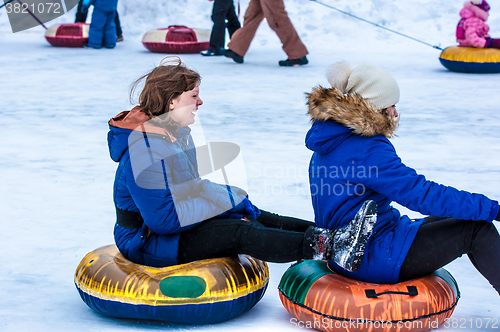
[(472, 30), (277, 18), (103, 31), (352, 124), (222, 10)]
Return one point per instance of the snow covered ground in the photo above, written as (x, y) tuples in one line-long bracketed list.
[(56, 175)]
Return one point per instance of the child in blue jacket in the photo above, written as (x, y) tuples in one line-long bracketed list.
[(354, 161), (102, 32)]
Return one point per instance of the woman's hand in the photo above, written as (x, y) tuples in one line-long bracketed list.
[(247, 208)]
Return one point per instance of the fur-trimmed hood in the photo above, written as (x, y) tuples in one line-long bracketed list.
[(336, 117), (350, 111)]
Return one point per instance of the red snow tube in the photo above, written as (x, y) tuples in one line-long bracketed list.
[(176, 39), (68, 35)]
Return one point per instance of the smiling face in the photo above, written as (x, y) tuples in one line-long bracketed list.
[(183, 108)]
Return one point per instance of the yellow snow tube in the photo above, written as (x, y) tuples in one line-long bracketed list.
[(470, 59), (200, 292)]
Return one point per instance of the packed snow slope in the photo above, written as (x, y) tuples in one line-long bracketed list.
[(56, 184)]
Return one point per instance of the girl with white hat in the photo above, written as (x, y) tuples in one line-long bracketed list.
[(354, 161)]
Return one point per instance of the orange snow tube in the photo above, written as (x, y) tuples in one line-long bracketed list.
[(176, 39), (318, 298)]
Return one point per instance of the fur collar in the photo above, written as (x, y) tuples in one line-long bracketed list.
[(351, 111)]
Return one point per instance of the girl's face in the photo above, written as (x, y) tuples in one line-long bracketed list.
[(391, 110), (182, 108)]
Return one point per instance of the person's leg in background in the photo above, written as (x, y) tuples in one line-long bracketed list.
[(233, 23), (119, 32), (278, 20), (241, 38), (109, 40), (81, 13), (96, 29), (217, 36)]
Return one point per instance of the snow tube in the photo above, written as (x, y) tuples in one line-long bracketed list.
[(201, 292), (470, 59), (68, 35), (176, 39), (321, 299)]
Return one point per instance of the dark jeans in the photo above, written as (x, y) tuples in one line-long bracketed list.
[(271, 238), (439, 241), (222, 10), (81, 16)]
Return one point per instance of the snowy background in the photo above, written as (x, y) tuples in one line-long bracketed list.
[(56, 174)]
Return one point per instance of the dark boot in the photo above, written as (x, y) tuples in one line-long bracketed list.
[(294, 62), (232, 55), (345, 246), (211, 52)]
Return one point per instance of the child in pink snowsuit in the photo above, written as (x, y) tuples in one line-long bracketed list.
[(472, 31)]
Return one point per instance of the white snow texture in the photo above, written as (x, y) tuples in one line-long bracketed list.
[(56, 175)]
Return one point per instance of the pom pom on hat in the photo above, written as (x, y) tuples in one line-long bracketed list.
[(338, 74), (371, 82)]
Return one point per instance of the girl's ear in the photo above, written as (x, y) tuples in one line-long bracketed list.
[(173, 102)]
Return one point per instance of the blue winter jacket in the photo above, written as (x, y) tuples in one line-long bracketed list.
[(104, 5), (156, 176), (353, 161)]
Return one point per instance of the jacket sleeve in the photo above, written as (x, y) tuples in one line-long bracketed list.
[(165, 207), (402, 184)]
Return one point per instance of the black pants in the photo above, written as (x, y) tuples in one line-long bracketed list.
[(271, 238), (222, 10), (81, 16), (439, 241)]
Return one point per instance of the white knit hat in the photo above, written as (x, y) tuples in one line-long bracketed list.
[(371, 82)]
